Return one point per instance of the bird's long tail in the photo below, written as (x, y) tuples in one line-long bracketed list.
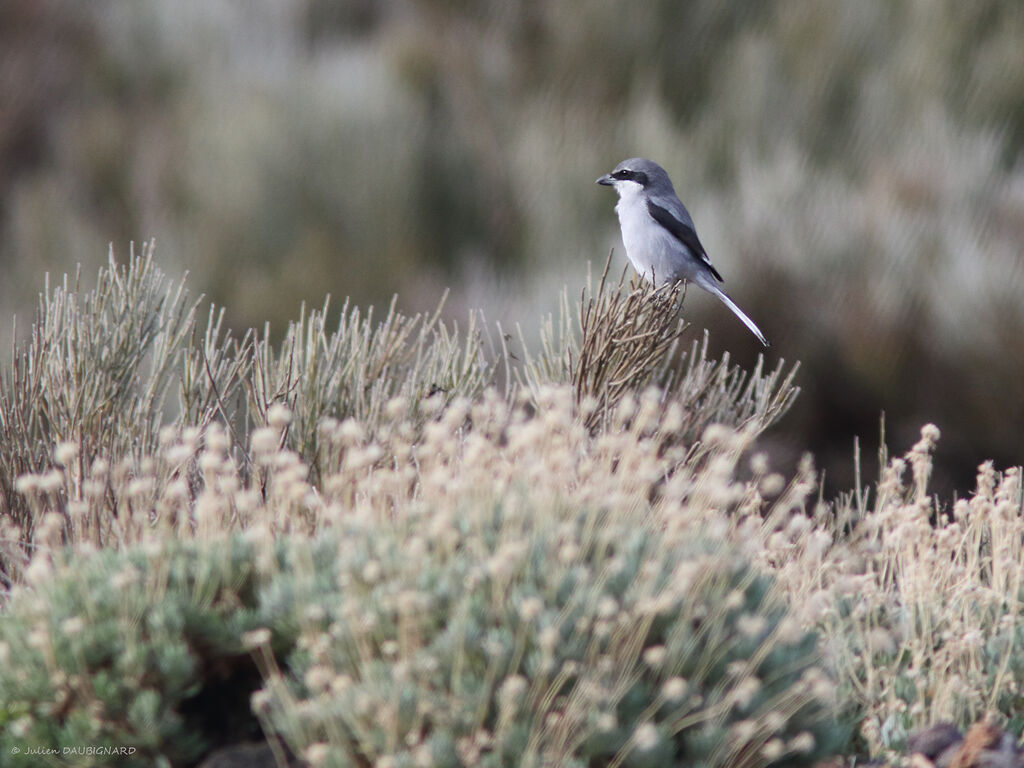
[(739, 313)]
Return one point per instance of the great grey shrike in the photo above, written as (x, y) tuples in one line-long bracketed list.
[(661, 242)]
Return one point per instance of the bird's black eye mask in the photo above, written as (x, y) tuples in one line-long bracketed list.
[(626, 175)]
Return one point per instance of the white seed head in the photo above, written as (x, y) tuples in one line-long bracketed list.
[(773, 750), (65, 453), (531, 608), (607, 607), (372, 572), (802, 743), (655, 656), (52, 481), (256, 638), (124, 578), (265, 440), (674, 689), (73, 626), (743, 694), (318, 678), (751, 624), (279, 416), (512, 689), (772, 485), (317, 754), (27, 484), (261, 700), (646, 737)]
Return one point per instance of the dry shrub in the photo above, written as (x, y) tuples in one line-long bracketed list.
[(620, 340), (625, 339), (443, 534), (919, 602)]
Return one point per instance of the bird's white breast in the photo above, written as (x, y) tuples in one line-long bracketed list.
[(650, 248)]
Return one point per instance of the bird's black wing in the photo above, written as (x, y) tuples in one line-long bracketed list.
[(684, 233)]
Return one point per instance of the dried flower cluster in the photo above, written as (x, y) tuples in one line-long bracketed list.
[(494, 586), (919, 602)]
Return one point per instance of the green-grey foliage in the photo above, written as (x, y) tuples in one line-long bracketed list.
[(100, 369), (354, 371), (141, 650), (517, 637), (106, 368), (923, 623)]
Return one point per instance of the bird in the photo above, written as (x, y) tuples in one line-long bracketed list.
[(659, 235)]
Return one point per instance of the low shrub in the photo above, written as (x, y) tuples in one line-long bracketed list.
[(138, 654), (516, 636), (918, 602), (510, 634)]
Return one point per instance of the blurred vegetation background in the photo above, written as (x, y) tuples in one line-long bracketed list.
[(854, 169)]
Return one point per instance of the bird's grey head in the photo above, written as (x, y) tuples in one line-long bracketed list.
[(637, 174)]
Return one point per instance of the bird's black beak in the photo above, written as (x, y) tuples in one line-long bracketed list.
[(606, 180)]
